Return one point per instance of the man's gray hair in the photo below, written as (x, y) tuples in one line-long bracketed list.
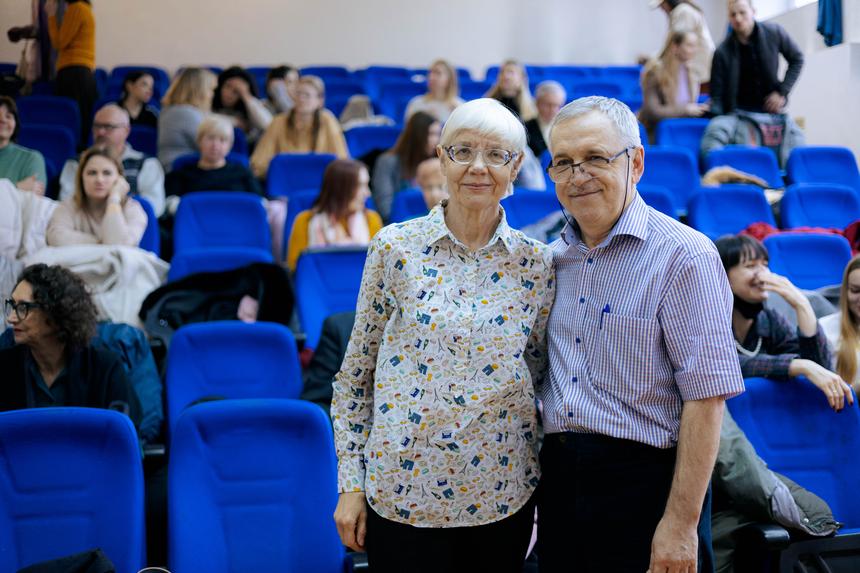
[(547, 86), (487, 117), (119, 109), (622, 118)]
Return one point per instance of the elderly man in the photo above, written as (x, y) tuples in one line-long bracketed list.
[(549, 97), (641, 360), (145, 176)]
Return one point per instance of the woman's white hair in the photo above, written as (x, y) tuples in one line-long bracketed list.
[(487, 117), (216, 125), (618, 113)]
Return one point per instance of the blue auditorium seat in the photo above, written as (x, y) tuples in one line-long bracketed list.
[(144, 139), (759, 161), (683, 132), (327, 72), (50, 110), (214, 259), (259, 74), (240, 142), (151, 240), (366, 138), (343, 87), (728, 209), (336, 104), (675, 169), (252, 486), (221, 219), (809, 260), (374, 76), (525, 207), (657, 197), (819, 205), (596, 87), (470, 90), (394, 96), (71, 481), (159, 75), (407, 204), (56, 143), (823, 165), (192, 158), (292, 172)]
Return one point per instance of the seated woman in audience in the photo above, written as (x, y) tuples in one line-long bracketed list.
[(100, 212), (512, 90), (307, 128), (767, 345), (281, 84), (236, 97), (395, 169), (431, 181), (137, 89), (670, 85), (53, 362), (443, 93), (843, 328), (212, 172), (338, 217), (186, 103), (22, 166)]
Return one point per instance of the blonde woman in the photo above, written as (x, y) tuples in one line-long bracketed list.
[(843, 328), (443, 93), (185, 104), (512, 90)]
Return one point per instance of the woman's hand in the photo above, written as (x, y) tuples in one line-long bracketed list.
[(51, 8), (119, 190), (32, 185), (806, 320), (834, 387), (695, 109), (351, 519)]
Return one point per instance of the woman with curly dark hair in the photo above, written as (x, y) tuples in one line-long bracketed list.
[(53, 362)]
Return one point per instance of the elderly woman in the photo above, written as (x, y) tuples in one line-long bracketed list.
[(52, 362), (433, 409)]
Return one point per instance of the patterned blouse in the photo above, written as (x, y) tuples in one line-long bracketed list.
[(434, 407)]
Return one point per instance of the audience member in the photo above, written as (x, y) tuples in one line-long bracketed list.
[(744, 74), (686, 16), (22, 166), (843, 328), (100, 211), (53, 362), (512, 89), (443, 93), (431, 181), (338, 216), (670, 85), (75, 42), (318, 377), (307, 128), (281, 84), (187, 101), (767, 344), (395, 169), (236, 97), (549, 97), (144, 174), (137, 90)]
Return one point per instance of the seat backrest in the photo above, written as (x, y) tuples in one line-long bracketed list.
[(526, 207), (675, 169), (327, 281), (683, 132), (339, 87), (657, 197), (394, 96), (151, 240), (192, 158), (796, 433), (214, 259), (823, 165), (604, 87), (71, 480), (56, 143), (159, 75), (291, 172), (470, 90), (221, 219), (759, 161), (230, 359), (819, 205), (728, 209), (407, 204), (364, 139), (809, 260), (252, 486), (327, 72), (145, 139), (50, 110)]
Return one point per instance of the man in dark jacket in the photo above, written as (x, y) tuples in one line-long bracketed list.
[(745, 66), (328, 356)]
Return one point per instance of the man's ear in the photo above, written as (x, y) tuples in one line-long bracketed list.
[(638, 164)]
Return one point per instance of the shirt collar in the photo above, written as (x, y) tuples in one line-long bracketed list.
[(633, 222), (438, 229)]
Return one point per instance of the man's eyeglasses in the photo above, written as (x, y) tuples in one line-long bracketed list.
[(22, 309), (107, 126), (593, 166), (465, 155)]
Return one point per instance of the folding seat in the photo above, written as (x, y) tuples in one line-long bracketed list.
[(683, 132), (293, 172), (729, 209), (151, 240), (192, 158), (759, 161), (56, 143), (144, 139), (819, 205), (394, 96), (625, 74), (327, 72), (71, 481), (259, 74), (673, 168), (823, 165), (470, 90), (374, 76), (407, 204), (600, 87), (252, 486), (363, 139), (214, 259), (327, 281), (809, 260), (643, 135), (525, 207), (240, 142), (230, 360), (339, 87), (8, 67), (657, 197), (221, 219), (336, 104), (159, 75), (50, 110)]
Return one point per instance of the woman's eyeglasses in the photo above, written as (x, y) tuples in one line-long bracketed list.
[(21, 309)]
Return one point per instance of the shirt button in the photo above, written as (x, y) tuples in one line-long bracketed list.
[(590, 260), (578, 340), (581, 300), (573, 379)]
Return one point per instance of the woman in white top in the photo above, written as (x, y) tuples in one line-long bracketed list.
[(443, 93), (843, 328)]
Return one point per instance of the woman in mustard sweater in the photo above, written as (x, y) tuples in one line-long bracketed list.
[(75, 42), (338, 217)]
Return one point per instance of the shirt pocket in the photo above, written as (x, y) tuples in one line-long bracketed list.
[(625, 354)]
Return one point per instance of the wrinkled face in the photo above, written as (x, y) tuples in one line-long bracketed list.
[(853, 294), (308, 99), (231, 91), (141, 89), (510, 78), (548, 105), (362, 192), (686, 50), (214, 147), (111, 129), (433, 133), (437, 79), (100, 175), (746, 280), (741, 18), (7, 125), (36, 326)]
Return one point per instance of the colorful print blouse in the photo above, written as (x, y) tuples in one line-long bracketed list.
[(434, 406)]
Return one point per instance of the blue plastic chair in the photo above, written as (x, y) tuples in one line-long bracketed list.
[(151, 239), (144, 139), (71, 480), (56, 143), (657, 197), (527, 207), (728, 209), (192, 158), (823, 165), (809, 260), (212, 260), (675, 169), (683, 132), (252, 486), (366, 138), (407, 204), (327, 281), (819, 205), (221, 219), (50, 110), (759, 161), (292, 172), (230, 359)]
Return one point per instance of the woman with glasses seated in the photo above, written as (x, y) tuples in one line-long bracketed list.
[(434, 405), (53, 362)]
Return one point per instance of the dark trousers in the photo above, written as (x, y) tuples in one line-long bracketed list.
[(79, 84), (599, 502), (496, 547)]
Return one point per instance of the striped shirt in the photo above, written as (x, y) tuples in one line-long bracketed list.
[(641, 323)]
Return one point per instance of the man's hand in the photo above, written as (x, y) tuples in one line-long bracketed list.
[(350, 516), (675, 547), (774, 102), (32, 185)]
